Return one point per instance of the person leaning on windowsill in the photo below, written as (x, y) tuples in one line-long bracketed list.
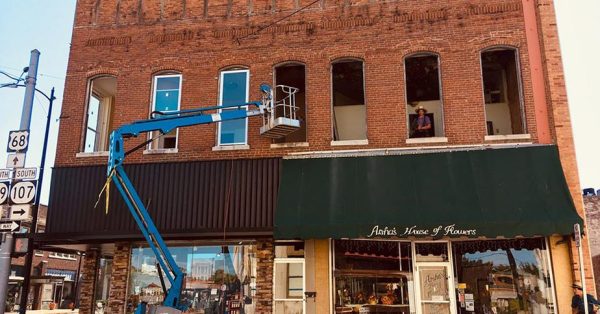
[(577, 301), (421, 126)]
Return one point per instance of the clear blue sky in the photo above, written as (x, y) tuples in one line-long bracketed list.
[(49, 31)]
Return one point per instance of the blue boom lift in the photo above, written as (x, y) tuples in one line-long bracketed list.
[(279, 118)]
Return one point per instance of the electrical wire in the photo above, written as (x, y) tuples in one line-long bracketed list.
[(260, 29)]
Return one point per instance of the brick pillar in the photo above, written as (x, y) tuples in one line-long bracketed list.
[(88, 281), (264, 277), (119, 278)]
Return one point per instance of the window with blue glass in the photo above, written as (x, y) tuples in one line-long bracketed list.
[(234, 90), (166, 97)]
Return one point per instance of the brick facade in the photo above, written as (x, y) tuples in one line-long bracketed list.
[(199, 43), (119, 278), (592, 214), (264, 277), (88, 281)]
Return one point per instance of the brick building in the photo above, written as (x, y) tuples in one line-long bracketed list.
[(433, 171), (54, 275), (592, 214)]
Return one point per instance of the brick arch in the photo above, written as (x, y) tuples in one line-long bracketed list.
[(490, 43), (351, 56), (164, 68), (90, 75), (421, 50), (281, 62), (234, 65)]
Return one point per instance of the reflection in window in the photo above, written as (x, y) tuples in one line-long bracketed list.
[(166, 97), (349, 113), (99, 113), (219, 279), (372, 275), (505, 276), (501, 89), (424, 104), (234, 90)]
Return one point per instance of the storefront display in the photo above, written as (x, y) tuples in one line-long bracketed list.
[(439, 277), (219, 279), (504, 276)]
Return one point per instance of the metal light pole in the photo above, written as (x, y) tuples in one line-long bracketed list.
[(35, 209)]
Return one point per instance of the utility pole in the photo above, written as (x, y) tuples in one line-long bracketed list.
[(18, 142)]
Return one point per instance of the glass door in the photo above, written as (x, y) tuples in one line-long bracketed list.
[(434, 281), (288, 288)]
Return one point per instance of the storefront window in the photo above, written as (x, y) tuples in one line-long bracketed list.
[(503, 276), (372, 276), (219, 279), (289, 279)]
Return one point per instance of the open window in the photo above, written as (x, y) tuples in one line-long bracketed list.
[(502, 92), (348, 96), (233, 90), (294, 75), (102, 91), (425, 111), (166, 97)]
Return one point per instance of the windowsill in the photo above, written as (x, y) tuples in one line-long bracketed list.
[(91, 154), (64, 258), (349, 142), (230, 147), (423, 140), (161, 151), (289, 145), (508, 137)]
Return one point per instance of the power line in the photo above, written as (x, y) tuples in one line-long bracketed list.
[(39, 74), (260, 29)]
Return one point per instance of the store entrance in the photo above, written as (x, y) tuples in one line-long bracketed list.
[(433, 272)]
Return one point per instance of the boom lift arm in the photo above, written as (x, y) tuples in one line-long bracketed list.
[(165, 123)]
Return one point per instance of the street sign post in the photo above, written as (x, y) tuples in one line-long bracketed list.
[(18, 141), (10, 226), (4, 174), (16, 160), (23, 192), (4, 192), (20, 212), (25, 174)]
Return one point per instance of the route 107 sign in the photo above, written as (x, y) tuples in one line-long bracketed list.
[(22, 192), (18, 141)]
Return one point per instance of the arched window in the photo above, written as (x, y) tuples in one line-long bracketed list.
[(348, 100), (294, 75), (424, 107), (166, 96), (233, 89), (98, 121), (502, 91)]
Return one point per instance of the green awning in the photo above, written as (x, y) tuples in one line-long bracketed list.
[(491, 193)]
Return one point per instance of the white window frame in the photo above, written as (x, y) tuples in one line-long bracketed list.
[(221, 80), (102, 134), (290, 260), (449, 271), (153, 106)]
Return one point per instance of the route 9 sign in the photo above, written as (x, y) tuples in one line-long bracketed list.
[(22, 192), (18, 141), (4, 189)]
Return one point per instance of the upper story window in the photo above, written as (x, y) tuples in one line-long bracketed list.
[(502, 92), (294, 75), (100, 103), (348, 97), (166, 96), (233, 90), (425, 111)]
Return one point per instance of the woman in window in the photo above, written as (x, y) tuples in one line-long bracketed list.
[(421, 126)]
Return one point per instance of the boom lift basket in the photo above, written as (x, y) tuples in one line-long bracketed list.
[(280, 117)]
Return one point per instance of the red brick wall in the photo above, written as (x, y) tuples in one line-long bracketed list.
[(133, 42)]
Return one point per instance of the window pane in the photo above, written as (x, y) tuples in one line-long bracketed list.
[(167, 100), (234, 92), (98, 116), (92, 124), (167, 83)]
